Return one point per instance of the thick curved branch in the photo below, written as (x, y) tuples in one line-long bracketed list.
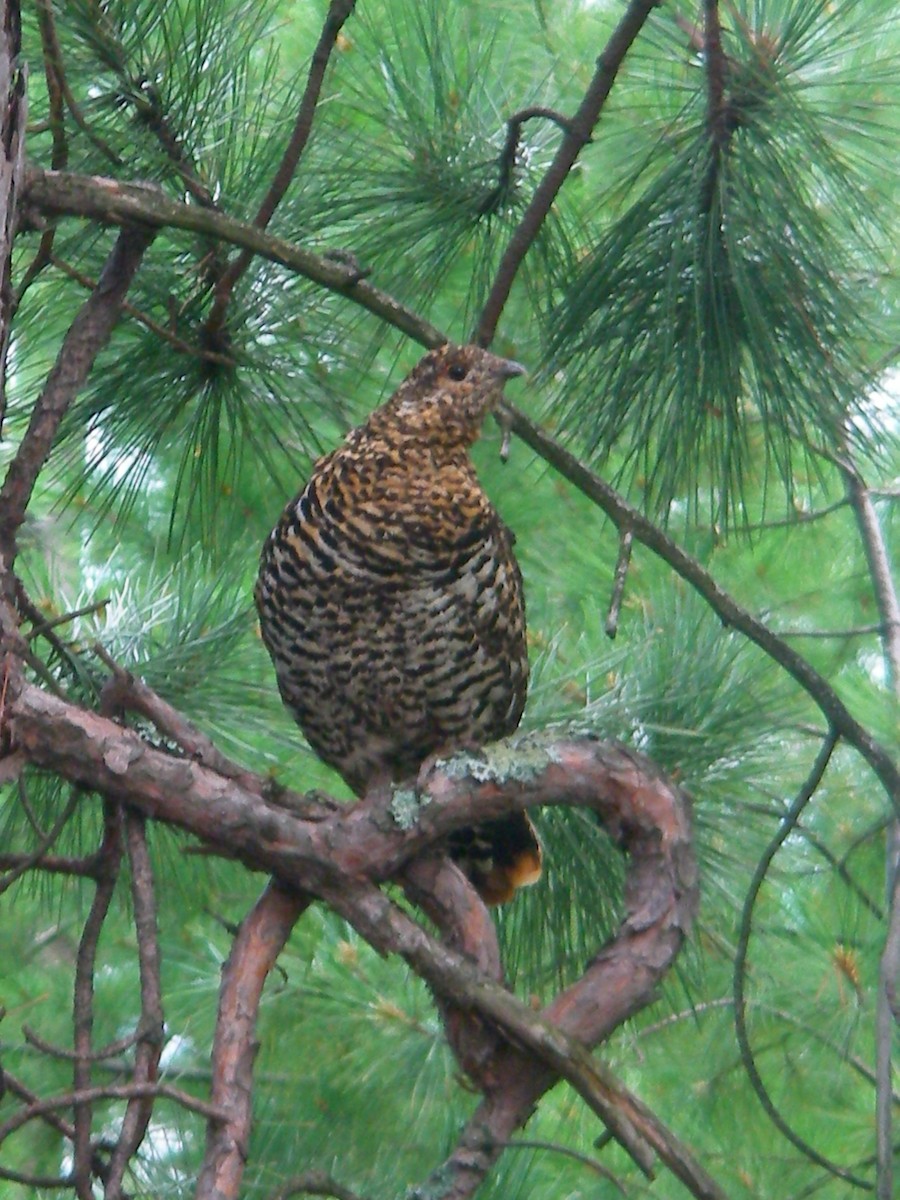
[(331, 856)]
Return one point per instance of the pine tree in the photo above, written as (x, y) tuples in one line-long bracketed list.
[(230, 229)]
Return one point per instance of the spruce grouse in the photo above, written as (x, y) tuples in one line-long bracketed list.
[(391, 601)]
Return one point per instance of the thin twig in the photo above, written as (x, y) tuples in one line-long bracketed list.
[(509, 153), (45, 624), (716, 74), (161, 331), (133, 695), (721, 602), (126, 1091), (14, 106), (584, 1159), (314, 1183), (110, 1050), (888, 604), (53, 53), (338, 13), (59, 153), (832, 634), (35, 856)]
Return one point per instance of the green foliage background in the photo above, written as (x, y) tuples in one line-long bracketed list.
[(714, 362)]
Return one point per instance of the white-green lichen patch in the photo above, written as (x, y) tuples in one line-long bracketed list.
[(406, 803), (507, 761)]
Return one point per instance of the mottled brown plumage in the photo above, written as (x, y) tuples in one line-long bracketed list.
[(391, 602)]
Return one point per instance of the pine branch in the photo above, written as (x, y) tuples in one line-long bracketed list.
[(108, 201), (579, 130), (625, 515), (111, 202), (86, 337), (338, 13)]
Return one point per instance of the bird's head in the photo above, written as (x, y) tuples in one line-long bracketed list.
[(449, 392)]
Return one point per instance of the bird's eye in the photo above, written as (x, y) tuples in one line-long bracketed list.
[(457, 371)]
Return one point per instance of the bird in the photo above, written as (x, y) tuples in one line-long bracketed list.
[(392, 605)]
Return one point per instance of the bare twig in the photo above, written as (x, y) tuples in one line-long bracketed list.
[(338, 13), (86, 337), (41, 625), (314, 1183), (53, 56), (40, 1108), (165, 334), (59, 153), (508, 154), (46, 841), (888, 604), (579, 129), (133, 695), (832, 634), (716, 74), (256, 947), (584, 1159), (110, 1050)]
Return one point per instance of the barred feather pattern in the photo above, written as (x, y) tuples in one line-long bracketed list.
[(391, 602)]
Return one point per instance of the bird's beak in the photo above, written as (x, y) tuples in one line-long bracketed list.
[(508, 368)]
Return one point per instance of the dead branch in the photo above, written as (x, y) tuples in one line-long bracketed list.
[(314, 1183), (788, 823), (41, 1108)]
